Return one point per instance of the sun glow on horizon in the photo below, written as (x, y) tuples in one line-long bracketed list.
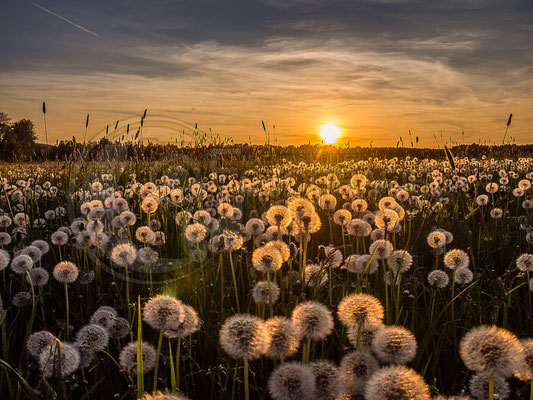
[(330, 133)]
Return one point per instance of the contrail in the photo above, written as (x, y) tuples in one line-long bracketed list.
[(164, 37), (66, 20)]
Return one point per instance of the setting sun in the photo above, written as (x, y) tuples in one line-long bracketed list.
[(330, 133)]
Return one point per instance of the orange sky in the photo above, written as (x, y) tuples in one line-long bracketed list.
[(375, 82)]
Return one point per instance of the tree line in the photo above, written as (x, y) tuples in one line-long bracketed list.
[(18, 142)]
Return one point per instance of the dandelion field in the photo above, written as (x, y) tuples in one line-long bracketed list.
[(373, 279)]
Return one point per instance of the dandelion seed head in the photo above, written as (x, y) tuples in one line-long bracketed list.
[(479, 387), (464, 276), (342, 217), (436, 239), (66, 272), (4, 259), (267, 259), (128, 357), (189, 324), (195, 233), (124, 254), (38, 276), (42, 245), (119, 328), (525, 262), (49, 359), (456, 259), (244, 336), (400, 261), (381, 249), (260, 292), (281, 246), (312, 320), (292, 381), (38, 341), (438, 279), (357, 310), (282, 340), (491, 350), (327, 381), (366, 264), (92, 336), (104, 316), (366, 335), (127, 218), (159, 309), (21, 264), (164, 396), (255, 226), (59, 238), (398, 383), (394, 344), (356, 368), (278, 215), (21, 299), (145, 235), (5, 238)]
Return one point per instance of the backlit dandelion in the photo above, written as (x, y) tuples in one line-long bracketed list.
[(189, 324), (394, 344), (66, 272), (456, 259), (283, 340), (278, 216), (357, 310), (159, 309), (381, 249), (244, 336), (267, 260), (525, 262), (436, 239), (491, 350), (396, 382), (124, 254), (312, 320), (195, 233)]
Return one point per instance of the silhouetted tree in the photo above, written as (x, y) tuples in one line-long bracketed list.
[(17, 139)]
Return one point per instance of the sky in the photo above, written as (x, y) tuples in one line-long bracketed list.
[(377, 69)]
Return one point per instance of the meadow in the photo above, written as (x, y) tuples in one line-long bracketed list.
[(376, 279)]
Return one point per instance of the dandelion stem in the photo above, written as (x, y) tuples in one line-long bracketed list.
[(67, 311), (270, 296), (158, 354), (246, 387), (234, 282), (178, 352)]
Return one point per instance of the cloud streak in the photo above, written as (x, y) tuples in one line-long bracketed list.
[(82, 28)]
